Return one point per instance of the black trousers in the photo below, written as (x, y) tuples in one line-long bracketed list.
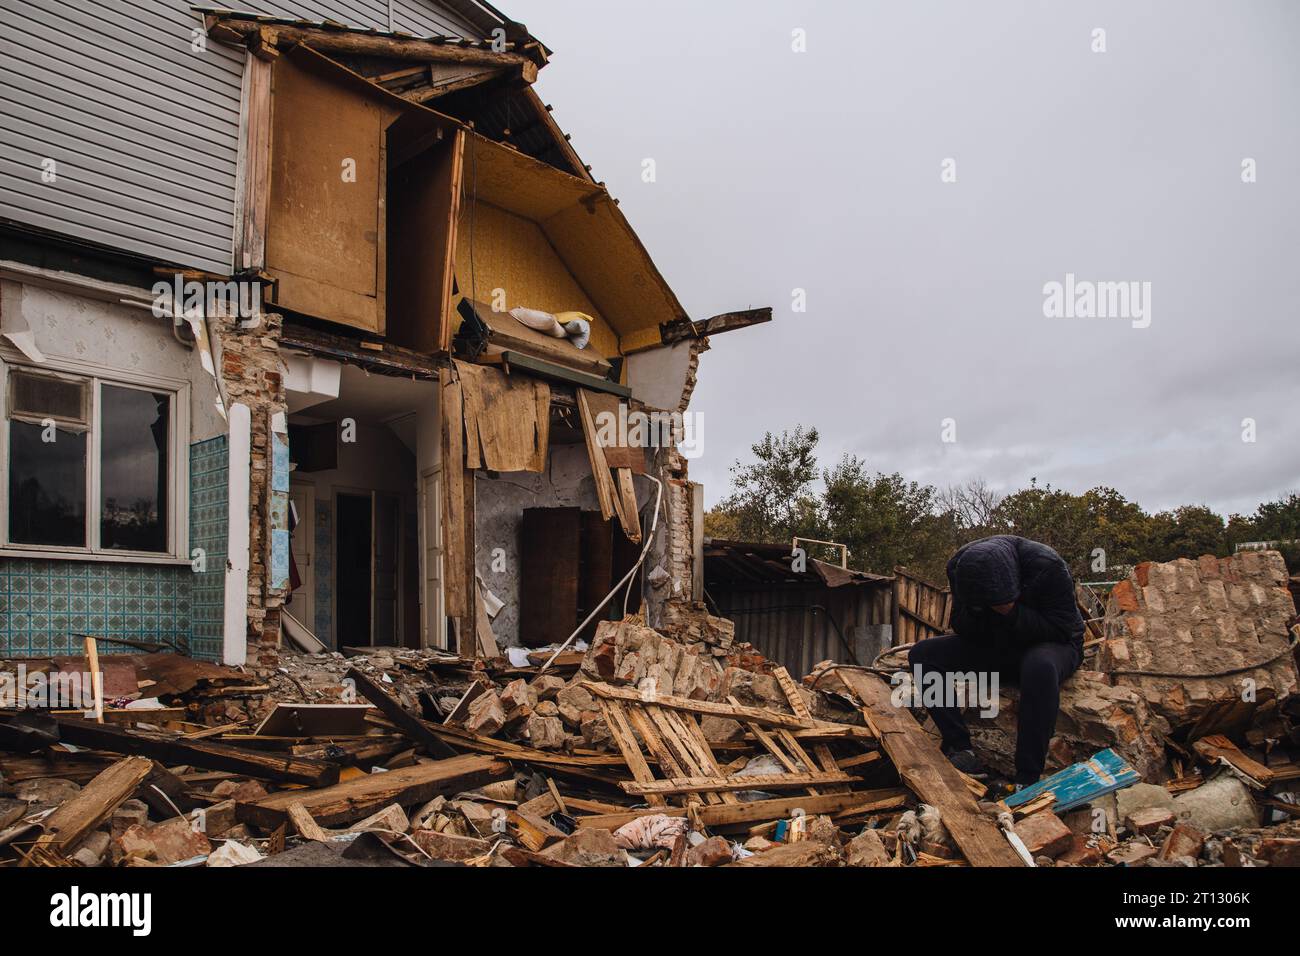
[(1038, 671)]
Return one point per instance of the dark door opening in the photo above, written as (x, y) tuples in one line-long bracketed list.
[(352, 584)]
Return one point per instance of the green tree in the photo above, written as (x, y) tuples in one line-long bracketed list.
[(884, 519), (1186, 532), (772, 498)]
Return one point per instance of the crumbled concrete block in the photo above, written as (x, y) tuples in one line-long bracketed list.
[(588, 846), (446, 846), (1184, 841), (93, 849), (714, 851), (1210, 615), (545, 733), (867, 849), (168, 842), (1223, 803), (1044, 834), (1279, 851), (485, 714), (46, 791), (1149, 820), (1131, 854), (1083, 851)]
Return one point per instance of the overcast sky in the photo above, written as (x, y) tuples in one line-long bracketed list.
[(821, 171)]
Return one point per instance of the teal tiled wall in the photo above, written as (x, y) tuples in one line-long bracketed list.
[(209, 485), (45, 603)]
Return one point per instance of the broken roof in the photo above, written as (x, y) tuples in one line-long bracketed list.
[(754, 563)]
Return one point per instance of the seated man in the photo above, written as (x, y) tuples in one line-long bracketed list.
[(1013, 612)]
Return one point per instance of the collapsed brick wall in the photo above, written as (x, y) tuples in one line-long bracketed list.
[(1093, 715), (679, 495), (251, 373), (698, 348), (1218, 626)]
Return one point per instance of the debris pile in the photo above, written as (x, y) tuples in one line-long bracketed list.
[(675, 746)]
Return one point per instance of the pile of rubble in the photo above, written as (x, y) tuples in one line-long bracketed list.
[(674, 746), (1194, 683)]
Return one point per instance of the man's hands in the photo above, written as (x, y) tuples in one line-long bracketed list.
[(1003, 608)]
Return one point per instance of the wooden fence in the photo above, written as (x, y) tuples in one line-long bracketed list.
[(920, 609)]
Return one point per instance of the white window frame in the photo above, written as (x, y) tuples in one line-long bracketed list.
[(178, 472)]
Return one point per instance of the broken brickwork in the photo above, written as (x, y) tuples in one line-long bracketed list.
[(1094, 715), (1203, 636), (251, 374)]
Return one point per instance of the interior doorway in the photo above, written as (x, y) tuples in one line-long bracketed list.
[(352, 569), (302, 603), (364, 454)]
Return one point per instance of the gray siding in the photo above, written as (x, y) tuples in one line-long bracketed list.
[(144, 132)]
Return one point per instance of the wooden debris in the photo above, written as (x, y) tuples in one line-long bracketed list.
[(924, 768), (354, 799), (74, 820), (200, 753), (410, 725)]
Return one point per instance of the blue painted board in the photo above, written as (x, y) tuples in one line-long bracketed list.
[(1102, 773)]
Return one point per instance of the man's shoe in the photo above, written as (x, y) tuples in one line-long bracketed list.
[(968, 763)]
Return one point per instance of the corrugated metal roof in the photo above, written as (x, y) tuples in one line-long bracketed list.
[(748, 562)]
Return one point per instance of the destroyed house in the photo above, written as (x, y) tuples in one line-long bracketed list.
[(316, 328)]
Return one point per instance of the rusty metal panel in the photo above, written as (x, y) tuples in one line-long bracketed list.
[(802, 625)]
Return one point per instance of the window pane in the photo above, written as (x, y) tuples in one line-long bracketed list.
[(44, 396), (133, 468), (47, 486)]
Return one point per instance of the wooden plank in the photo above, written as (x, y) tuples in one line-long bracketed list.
[(201, 753), (628, 515), (559, 373), (356, 42), (487, 641), (767, 718), (456, 587), (96, 678), (1216, 747), (1102, 773), (766, 781), (596, 455), (686, 755), (825, 759), (77, 817), (356, 799), (757, 811), (668, 764), (692, 728), (924, 768), (467, 639), (406, 722), (252, 186), (616, 720)]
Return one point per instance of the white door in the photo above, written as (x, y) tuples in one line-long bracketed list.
[(303, 605), (433, 619)]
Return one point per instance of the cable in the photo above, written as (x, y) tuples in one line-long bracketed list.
[(1291, 645), (649, 540)]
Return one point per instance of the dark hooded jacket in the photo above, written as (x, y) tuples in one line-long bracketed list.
[(1008, 568)]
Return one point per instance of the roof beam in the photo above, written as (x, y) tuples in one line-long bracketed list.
[(236, 29), (672, 332)]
